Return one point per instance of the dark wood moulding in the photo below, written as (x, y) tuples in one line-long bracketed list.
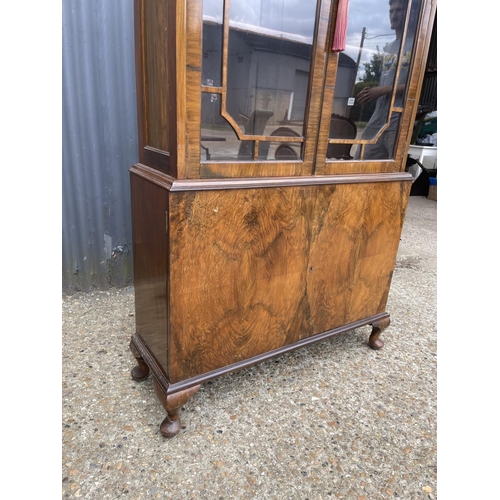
[(177, 185)]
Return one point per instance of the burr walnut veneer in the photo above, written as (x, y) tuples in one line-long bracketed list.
[(250, 236)]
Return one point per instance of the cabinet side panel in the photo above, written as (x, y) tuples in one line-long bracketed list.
[(257, 269), (149, 206)]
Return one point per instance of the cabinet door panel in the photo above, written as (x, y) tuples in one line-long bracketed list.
[(252, 270)]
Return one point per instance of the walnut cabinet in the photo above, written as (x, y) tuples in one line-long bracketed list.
[(270, 193)]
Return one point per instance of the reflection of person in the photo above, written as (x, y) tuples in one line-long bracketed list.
[(384, 148)]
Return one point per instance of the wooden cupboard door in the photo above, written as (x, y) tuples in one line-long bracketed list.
[(371, 87), (252, 270)]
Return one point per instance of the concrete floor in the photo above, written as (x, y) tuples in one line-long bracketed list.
[(332, 420)]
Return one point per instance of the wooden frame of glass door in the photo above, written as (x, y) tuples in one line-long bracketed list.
[(325, 166), (192, 103)]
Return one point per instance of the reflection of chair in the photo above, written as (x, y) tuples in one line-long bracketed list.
[(341, 128), (255, 125), (243, 119), (285, 151)]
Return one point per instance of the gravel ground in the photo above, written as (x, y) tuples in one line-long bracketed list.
[(332, 420)]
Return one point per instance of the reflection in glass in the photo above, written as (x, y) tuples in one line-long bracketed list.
[(366, 75), (218, 139), (268, 63), (211, 65), (219, 142)]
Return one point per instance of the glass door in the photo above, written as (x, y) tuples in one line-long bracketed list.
[(258, 61), (367, 87)]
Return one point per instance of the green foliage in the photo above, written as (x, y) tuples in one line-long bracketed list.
[(373, 68), (362, 112)]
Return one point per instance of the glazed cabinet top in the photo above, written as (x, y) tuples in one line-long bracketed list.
[(265, 88)]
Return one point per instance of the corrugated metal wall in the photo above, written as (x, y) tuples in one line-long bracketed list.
[(99, 143)]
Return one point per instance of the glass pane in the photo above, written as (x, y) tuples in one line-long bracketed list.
[(219, 141), (211, 66), (268, 63), (366, 74), (280, 151), (269, 58)]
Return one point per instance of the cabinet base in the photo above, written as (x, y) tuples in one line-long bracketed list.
[(174, 396)]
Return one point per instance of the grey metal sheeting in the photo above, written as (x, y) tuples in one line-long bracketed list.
[(99, 139)]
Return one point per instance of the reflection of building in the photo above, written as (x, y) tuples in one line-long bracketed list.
[(343, 86), (267, 70)]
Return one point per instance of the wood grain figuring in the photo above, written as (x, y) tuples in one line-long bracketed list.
[(328, 87), (238, 262), (247, 169), (158, 91), (316, 85), (358, 167), (187, 383), (193, 63), (150, 249), (257, 269), (354, 250)]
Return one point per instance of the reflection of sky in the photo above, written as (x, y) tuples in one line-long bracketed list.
[(289, 16), (374, 16), (296, 16)]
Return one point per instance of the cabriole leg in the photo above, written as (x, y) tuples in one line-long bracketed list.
[(377, 328), (141, 371), (173, 403)]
